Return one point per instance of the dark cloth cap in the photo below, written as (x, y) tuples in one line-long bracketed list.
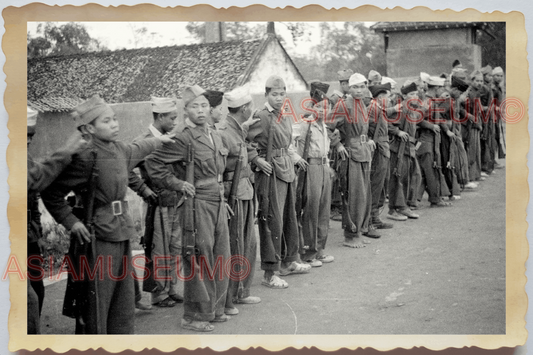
[(456, 63), (459, 84), (409, 88), (318, 90), (214, 97), (378, 89)]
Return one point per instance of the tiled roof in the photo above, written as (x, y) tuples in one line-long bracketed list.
[(59, 83), (413, 26)]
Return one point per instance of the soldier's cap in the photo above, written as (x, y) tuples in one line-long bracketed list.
[(497, 70), (435, 81), (89, 110), (374, 76), (386, 80), (459, 84), (486, 70), (32, 121), (378, 89), (424, 77), (456, 63), (214, 97), (163, 104), (344, 74), (475, 73), (275, 82), (190, 93), (459, 73), (318, 90), (409, 86), (238, 97), (357, 79)]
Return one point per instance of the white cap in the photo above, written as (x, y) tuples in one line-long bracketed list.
[(435, 81), (497, 70), (32, 117), (357, 79), (424, 76), (238, 97), (386, 80), (163, 104)]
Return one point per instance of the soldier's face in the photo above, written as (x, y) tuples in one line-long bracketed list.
[(488, 78), (358, 90), (498, 78), (198, 110), (276, 97), (477, 82), (104, 128), (168, 121), (216, 114), (345, 87)]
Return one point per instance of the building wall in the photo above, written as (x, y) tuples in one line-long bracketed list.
[(404, 62), (273, 61), (428, 38)]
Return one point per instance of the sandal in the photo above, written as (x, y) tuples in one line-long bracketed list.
[(167, 302), (275, 282), (222, 318), (176, 298), (197, 326), (295, 268)]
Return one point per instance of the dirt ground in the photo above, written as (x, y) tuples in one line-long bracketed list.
[(441, 274)]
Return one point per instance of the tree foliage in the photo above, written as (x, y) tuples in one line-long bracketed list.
[(493, 49), (234, 31), (53, 39)]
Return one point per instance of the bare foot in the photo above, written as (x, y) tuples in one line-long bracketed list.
[(355, 243)]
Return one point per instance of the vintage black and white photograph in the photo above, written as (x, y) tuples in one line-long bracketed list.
[(293, 178)]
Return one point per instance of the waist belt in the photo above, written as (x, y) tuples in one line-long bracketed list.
[(275, 152), (363, 138), (210, 180), (116, 208), (318, 161), (228, 176)]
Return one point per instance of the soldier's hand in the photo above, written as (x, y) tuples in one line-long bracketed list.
[(249, 122), (403, 135), (167, 138), (149, 196), (302, 164), (343, 153), (229, 211), (264, 166), (372, 144), (451, 135), (80, 231), (76, 143), (188, 189), (436, 128)]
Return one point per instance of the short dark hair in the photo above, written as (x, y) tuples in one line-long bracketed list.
[(432, 86), (344, 81), (268, 90)]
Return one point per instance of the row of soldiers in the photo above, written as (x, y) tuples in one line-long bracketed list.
[(209, 179)]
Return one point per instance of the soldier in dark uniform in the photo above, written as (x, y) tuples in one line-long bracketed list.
[(278, 226), (166, 244), (41, 174), (110, 307), (499, 95)]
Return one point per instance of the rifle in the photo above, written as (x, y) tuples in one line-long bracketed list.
[(81, 294), (190, 252), (232, 198), (265, 202), (302, 174), (149, 284), (189, 226)]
